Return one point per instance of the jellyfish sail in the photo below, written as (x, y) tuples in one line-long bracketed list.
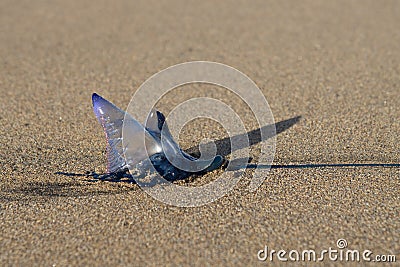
[(150, 142), (112, 119)]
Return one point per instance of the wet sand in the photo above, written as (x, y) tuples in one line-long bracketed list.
[(337, 65)]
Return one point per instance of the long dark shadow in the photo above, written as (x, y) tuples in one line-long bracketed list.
[(254, 137), (223, 147), (337, 165)]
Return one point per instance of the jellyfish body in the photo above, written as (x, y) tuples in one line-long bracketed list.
[(149, 144)]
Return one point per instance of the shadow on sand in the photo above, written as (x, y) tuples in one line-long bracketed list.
[(310, 166), (223, 148)]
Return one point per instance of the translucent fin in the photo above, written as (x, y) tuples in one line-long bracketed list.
[(154, 124), (142, 143), (112, 118), (157, 125)]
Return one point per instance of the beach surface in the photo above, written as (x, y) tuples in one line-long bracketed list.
[(330, 72)]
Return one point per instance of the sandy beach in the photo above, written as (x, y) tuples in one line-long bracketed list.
[(330, 72)]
